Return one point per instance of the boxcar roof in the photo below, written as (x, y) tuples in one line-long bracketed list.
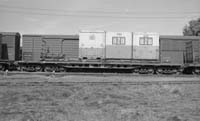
[(9, 33), (178, 37), (53, 36)]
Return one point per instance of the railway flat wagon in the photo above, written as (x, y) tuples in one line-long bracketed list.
[(92, 45), (118, 45)]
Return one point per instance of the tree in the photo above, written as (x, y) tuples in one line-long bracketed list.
[(193, 28)]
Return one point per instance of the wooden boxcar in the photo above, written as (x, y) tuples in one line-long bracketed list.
[(172, 48), (50, 47), (193, 57), (10, 46)]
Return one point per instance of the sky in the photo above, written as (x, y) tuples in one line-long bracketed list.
[(166, 17)]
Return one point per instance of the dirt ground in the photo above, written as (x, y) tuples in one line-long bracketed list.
[(103, 102)]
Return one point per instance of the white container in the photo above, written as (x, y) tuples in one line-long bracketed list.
[(118, 45), (138, 35), (146, 46), (91, 44)]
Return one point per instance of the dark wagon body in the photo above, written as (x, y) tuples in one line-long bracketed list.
[(193, 52), (50, 47), (43, 52), (9, 50), (10, 46), (192, 59), (172, 48)]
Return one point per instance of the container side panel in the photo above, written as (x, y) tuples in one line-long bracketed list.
[(91, 53), (146, 52), (146, 46), (118, 52), (91, 41), (119, 38), (118, 45)]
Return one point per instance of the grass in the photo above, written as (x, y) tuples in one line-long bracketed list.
[(84, 102)]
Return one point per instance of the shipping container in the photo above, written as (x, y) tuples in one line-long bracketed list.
[(193, 52), (146, 46), (172, 57), (118, 45), (12, 41), (50, 47), (92, 44)]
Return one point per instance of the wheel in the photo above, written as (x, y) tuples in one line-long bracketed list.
[(49, 69), (196, 71), (38, 68)]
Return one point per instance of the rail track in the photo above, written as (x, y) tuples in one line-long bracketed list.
[(61, 74), (96, 83), (52, 79)]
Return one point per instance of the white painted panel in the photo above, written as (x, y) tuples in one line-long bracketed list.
[(138, 35), (126, 35), (90, 39)]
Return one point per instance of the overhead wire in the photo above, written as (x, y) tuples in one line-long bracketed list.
[(104, 12), (91, 14)]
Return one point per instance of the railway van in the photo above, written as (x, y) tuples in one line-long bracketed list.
[(50, 47), (193, 57), (9, 50)]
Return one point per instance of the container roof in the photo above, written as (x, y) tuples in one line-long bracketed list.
[(91, 31)]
